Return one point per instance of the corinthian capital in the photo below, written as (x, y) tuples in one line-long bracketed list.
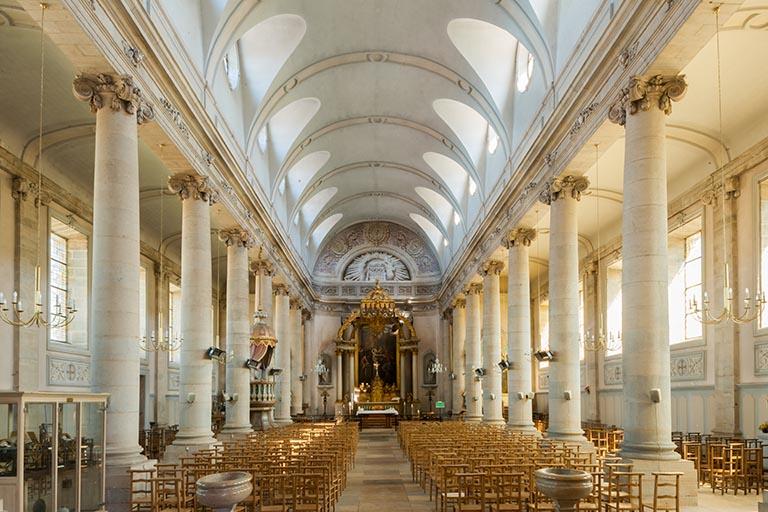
[(474, 289), (459, 303), (564, 186), (643, 93), (119, 90), (519, 237), (236, 236), (191, 186), (279, 289), (262, 267), (295, 303), (492, 267)]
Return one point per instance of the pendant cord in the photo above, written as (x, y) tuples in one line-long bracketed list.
[(39, 201), (722, 140)]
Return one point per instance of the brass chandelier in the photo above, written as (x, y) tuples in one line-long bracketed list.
[(378, 309)]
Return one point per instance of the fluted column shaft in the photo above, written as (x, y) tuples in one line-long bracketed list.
[(195, 382), (473, 357), (339, 376), (491, 342), (644, 283), (562, 195), (238, 377), (458, 366), (297, 358), (519, 375), (282, 355), (402, 376), (114, 295), (415, 374)]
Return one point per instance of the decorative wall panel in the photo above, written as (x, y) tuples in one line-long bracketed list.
[(761, 359), (688, 366), (67, 372)]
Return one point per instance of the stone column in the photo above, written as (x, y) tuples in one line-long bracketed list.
[(195, 376), (642, 108), (339, 377), (520, 373), (309, 386), (297, 358), (402, 376), (415, 374), (263, 270), (644, 284), (238, 376), (592, 323), (473, 358), (282, 356), (564, 374), (114, 297), (458, 367), (491, 342)]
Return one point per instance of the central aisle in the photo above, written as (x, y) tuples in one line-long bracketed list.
[(381, 478)]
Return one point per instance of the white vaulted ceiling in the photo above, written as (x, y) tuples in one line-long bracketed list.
[(398, 111)]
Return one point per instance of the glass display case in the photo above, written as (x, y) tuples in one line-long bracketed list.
[(52, 451)]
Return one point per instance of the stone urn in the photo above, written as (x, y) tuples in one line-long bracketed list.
[(223, 491), (565, 487)]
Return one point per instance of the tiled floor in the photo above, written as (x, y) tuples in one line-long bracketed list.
[(381, 482)]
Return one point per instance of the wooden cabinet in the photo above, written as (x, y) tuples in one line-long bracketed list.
[(52, 451)]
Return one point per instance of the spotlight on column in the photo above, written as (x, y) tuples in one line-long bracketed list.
[(215, 353), (504, 364), (479, 373), (275, 371), (252, 364), (544, 355), (452, 376), (302, 377)]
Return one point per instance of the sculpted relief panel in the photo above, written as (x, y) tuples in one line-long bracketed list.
[(379, 236)]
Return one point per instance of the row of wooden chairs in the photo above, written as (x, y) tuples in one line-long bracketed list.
[(727, 466), (479, 467), (299, 467)]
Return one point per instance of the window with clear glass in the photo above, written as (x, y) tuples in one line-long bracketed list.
[(544, 329), (143, 311), (581, 319), (613, 313), (174, 320), (763, 256), (68, 282), (232, 67), (685, 281), (523, 68)]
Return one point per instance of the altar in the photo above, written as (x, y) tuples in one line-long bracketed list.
[(376, 348), (378, 418)]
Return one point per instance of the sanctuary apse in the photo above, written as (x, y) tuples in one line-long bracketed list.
[(227, 226)]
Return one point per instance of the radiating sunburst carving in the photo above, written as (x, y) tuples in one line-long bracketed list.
[(376, 265)]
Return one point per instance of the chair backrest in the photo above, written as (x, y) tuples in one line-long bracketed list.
[(471, 491)]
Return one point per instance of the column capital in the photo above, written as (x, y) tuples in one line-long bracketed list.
[(644, 92), (262, 267), (306, 314), (519, 237), (279, 289), (236, 236), (563, 186), (473, 289), (459, 302), (295, 303), (126, 96), (448, 313), (492, 267), (192, 186)]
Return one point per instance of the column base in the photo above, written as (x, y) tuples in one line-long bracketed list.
[(281, 422), (473, 419), (688, 482), (118, 484), (234, 433), (494, 421), (763, 505), (524, 429), (181, 449)]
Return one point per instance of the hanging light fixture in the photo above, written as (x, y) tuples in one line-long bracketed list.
[(597, 341), (168, 342), (436, 366), (752, 306), (60, 315)]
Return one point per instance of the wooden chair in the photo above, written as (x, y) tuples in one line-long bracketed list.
[(142, 494), (307, 492), (276, 493), (625, 492), (471, 492), (666, 492), (169, 495), (509, 494)]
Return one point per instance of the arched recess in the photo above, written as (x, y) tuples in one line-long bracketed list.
[(318, 234), (298, 177), (532, 18), (310, 210), (265, 47), (472, 129), (435, 235), (282, 129), (439, 205)]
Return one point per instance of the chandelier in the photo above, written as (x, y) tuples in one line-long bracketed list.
[(378, 309), (60, 315), (436, 366), (162, 343), (753, 306)]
